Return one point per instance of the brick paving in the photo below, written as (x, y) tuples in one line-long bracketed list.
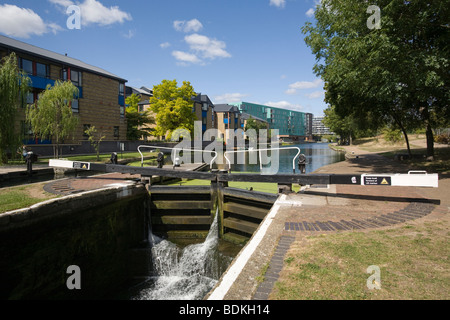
[(81, 184)]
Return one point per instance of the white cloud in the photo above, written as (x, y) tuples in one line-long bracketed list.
[(230, 98), (315, 95), (207, 48), (62, 3), (278, 3), (201, 48), (165, 45), (22, 23), (284, 105), (188, 26), (94, 12), (310, 13), (301, 85), (130, 34), (186, 57)]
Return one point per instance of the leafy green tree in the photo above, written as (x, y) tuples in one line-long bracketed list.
[(52, 114), (398, 72), (344, 127), (172, 106), (138, 123), (14, 87), (95, 138), (253, 124)]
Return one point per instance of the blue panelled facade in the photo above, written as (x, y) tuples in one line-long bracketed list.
[(289, 123)]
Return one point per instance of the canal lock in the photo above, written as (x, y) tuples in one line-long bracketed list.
[(194, 232)]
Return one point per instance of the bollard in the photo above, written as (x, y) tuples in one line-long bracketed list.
[(302, 163), (29, 160), (160, 160), (114, 158)]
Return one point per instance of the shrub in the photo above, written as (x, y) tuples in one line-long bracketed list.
[(442, 138), (392, 135)]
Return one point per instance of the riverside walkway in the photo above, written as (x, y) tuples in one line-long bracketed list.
[(332, 209)]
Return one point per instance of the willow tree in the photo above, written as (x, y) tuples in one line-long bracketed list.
[(52, 115), (14, 87), (398, 69), (172, 106)]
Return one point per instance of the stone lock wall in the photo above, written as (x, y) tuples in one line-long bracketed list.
[(95, 231)]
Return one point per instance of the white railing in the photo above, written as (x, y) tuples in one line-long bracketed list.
[(176, 149), (260, 160)]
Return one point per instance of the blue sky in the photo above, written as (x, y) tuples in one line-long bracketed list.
[(230, 50)]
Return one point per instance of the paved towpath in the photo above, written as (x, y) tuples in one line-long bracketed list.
[(80, 184), (339, 208)]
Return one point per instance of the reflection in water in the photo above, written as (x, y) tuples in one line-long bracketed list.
[(317, 155)]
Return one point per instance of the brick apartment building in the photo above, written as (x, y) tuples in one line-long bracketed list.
[(228, 117), (101, 99)]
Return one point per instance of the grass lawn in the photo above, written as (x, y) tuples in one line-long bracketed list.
[(22, 197), (414, 262), (440, 164)]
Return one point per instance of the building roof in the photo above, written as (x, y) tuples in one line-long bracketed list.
[(225, 108), (203, 98), (23, 47), (142, 90), (145, 102)]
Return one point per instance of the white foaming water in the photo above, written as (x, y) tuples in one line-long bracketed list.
[(187, 274)]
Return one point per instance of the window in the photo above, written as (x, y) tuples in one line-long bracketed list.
[(75, 77), (121, 89), (30, 98), (116, 132), (64, 75), (34, 68), (75, 106), (122, 111), (26, 65), (205, 107), (42, 70)]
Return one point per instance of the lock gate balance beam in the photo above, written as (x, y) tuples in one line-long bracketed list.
[(411, 179)]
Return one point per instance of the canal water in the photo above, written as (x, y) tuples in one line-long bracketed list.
[(317, 156)]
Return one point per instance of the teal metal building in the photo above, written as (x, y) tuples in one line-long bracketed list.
[(291, 124)]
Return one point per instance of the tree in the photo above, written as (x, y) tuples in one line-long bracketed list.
[(172, 106), (95, 138), (137, 122), (253, 124), (52, 114), (342, 126), (398, 72), (14, 87)]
